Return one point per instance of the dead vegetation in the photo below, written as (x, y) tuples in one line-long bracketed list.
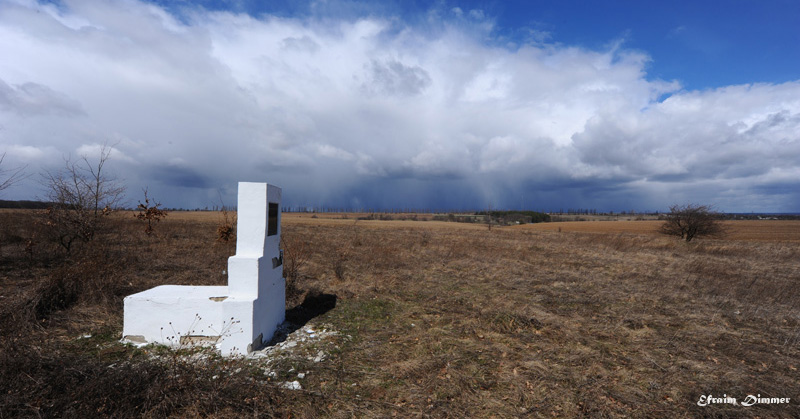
[(740, 230), (150, 212), (692, 220), (439, 321)]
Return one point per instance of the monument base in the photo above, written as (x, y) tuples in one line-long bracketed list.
[(171, 314), (183, 316)]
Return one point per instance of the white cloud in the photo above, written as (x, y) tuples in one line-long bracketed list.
[(326, 150), (25, 153), (92, 151), (332, 106)]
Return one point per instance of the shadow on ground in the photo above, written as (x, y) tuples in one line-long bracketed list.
[(297, 317)]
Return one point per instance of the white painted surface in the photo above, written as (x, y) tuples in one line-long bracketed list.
[(245, 313), (163, 314)]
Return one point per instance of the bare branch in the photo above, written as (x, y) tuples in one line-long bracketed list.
[(690, 221), (150, 212), (81, 194), (9, 177)]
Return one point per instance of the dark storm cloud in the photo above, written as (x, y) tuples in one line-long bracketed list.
[(182, 177)]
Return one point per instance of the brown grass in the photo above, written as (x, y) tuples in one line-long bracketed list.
[(740, 230), (442, 320)]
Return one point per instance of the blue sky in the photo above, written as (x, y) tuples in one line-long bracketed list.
[(613, 105), (704, 44)]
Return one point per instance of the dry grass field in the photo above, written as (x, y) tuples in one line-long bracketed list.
[(435, 319), (740, 230)]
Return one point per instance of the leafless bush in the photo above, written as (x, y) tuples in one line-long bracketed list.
[(226, 229), (690, 221), (81, 196), (296, 253), (150, 213)]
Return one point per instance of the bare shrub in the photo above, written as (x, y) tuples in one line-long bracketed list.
[(226, 228), (690, 221), (81, 196), (149, 212), (296, 253)]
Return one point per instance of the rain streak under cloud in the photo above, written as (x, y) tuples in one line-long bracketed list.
[(373, 111)]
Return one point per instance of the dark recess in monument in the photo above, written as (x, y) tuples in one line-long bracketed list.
[(272, 228)]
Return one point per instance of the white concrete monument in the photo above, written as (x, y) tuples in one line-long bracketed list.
[(237, 318)]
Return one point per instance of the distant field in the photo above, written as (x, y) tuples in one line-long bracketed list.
[(747, 230), (740, 230), (337, 219), (635, 227)]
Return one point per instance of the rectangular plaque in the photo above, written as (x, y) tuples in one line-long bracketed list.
[(272, 223)]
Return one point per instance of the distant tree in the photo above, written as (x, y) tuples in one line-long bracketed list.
[(81, 195), (9, 177), (690, 221)]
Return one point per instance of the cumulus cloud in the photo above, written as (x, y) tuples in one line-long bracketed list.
[(377, 112)]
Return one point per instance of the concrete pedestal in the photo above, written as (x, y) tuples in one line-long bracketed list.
[(236, 318)]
